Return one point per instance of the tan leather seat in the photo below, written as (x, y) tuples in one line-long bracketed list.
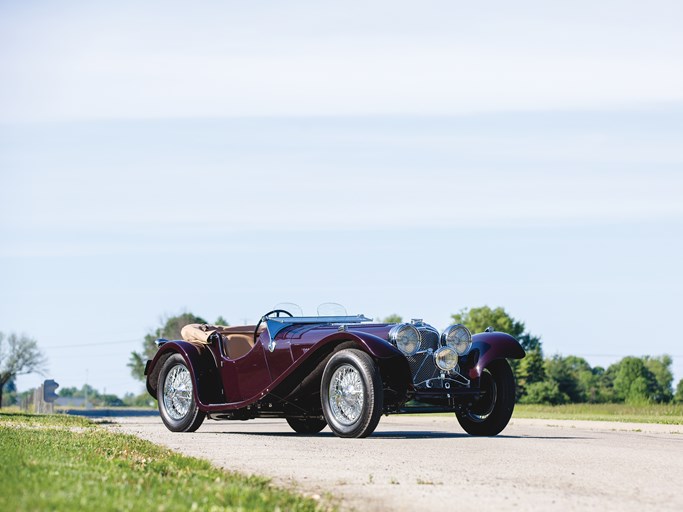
[(237, 345), (237, 340)]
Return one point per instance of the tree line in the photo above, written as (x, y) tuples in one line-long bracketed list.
[(98, 399), (561, 379), (95, 398), (170, 330), (540, 379), (19, 355)]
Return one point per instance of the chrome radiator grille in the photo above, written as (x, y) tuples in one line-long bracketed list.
[(422, 365)]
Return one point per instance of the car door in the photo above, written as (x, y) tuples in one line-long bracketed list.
[(246, 376), (278, 354)]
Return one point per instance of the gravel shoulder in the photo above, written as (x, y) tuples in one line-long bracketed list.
[(415, 463)]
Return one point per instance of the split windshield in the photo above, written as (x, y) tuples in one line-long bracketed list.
[(327, 309)]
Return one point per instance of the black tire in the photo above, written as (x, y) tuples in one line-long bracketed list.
[(361, 419), (306, 425), (492, 412), (178, 412)]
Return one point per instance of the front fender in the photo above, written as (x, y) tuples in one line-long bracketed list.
[(202, 364), (489, 346), (303, 377), (374, 345)]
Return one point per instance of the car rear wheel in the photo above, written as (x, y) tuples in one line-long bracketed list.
[(351, 394), (177, 405), (491, 413), (306, 425)]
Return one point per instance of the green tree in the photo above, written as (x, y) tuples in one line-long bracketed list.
[(141, 400), (678, 397), (531, 370), (110, 400), (89, 392), (544, 392), (600, 387), (9, 393), (634, 383), (574, 377), (661, 369), (606, 383), (94, 396), (68, 392), (478, 319), (74, 392), (221, 321), (393, 319), (19, 355), (169, 330)]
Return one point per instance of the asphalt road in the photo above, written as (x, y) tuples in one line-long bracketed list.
[(415, 463)]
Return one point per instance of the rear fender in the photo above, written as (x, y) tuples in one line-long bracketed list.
[(201, 362), (489, 346)]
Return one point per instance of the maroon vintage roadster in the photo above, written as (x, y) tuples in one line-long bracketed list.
[(340, 371)]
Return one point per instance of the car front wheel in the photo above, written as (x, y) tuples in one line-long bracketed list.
[(177, 405), (489, 415), (351, 393)]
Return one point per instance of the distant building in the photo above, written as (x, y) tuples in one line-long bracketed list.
[(70, 401)]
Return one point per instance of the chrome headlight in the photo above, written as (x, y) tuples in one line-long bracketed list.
[(446, 358), (406, 338), (458, 337)]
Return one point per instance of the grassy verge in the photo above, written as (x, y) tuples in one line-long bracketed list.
[(670, 414), (68, 463), (22, 419)]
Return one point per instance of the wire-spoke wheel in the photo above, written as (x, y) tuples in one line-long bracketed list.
[(177, 406), (490, 414), (178, 392), (351, 394), (345, 394)]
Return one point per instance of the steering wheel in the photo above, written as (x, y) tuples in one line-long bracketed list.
[(265, 317)]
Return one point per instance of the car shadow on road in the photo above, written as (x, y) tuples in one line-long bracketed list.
[(428, 434), (451, 435)]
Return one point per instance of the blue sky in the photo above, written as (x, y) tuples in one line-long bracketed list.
[(393, 157)]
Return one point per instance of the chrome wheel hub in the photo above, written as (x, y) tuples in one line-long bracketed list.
[(346, 394), (178, 392), (483, 410)]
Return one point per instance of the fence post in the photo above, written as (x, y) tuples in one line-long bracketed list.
[(39, 405)]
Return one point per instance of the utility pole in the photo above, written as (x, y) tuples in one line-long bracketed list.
[(86, 389)]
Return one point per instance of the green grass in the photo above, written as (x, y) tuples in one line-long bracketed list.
[(43, 420), (68, 463), (669, 414)]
